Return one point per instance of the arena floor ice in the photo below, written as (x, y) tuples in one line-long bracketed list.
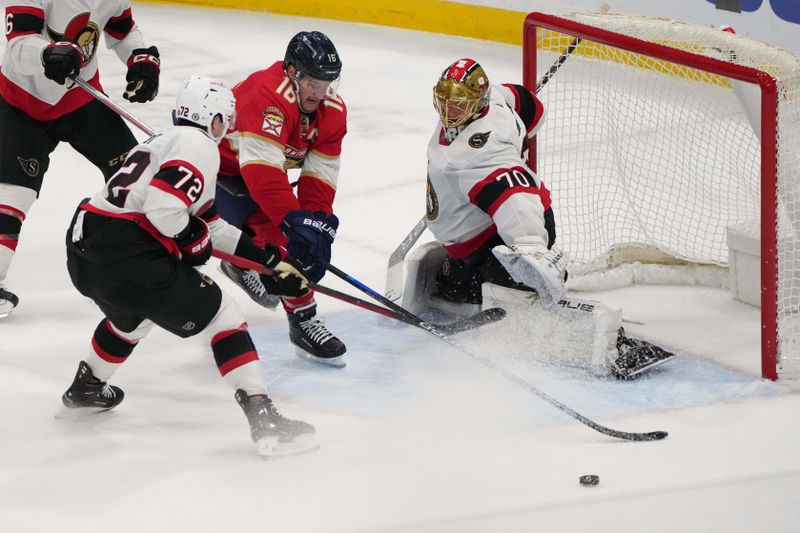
[(414, 435)]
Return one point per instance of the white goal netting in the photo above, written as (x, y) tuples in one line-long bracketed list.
[(650, 159)]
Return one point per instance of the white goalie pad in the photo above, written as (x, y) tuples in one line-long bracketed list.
[(420, 287), (575, 331)]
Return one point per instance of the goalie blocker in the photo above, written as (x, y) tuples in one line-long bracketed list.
[(575, 331)]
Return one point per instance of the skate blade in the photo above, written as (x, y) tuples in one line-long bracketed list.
[(272, 447), (5, 310), (336, 362), (79, 413)]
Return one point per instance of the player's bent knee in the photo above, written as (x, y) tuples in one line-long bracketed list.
[(229, 317)]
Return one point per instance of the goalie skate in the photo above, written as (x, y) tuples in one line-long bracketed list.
[(636, 356), (274, 434)]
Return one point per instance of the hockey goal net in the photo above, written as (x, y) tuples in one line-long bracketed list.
[(659, 135)]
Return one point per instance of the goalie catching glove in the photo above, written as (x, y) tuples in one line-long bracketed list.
[(532, 264)]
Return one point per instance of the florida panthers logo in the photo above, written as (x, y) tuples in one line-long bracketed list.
[(431, 201), (81, 31)]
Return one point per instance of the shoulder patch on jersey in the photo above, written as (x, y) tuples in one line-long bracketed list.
[(479, 139), (272, 123)]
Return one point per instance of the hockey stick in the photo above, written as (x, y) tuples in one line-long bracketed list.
[(108, 102), (394, 270), (557, 65), (481, 318), (430, 328)]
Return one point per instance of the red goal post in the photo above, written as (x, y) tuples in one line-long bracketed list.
[(623, 149)]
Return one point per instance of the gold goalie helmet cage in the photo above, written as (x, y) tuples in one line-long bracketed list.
[(461, 92)]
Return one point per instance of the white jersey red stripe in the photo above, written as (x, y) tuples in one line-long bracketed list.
[(158, 188), (31, 25)]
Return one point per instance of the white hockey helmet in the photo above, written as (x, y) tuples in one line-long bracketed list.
[(200, 99)]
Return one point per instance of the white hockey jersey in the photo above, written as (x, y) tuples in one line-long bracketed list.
[(164, 180), (478, 182), (31, 25)]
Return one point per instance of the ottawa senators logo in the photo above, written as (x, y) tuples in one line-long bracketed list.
[(81, 31), (479, 139), (431, 201), (29, 166)]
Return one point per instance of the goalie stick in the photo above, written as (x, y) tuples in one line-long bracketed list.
[(394, 269), (430, 328)]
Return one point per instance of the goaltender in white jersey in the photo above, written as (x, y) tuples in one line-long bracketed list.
[(495, 227)]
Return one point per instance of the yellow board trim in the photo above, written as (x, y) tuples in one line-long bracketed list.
[(436, 16), (450, 18), (557, 42)]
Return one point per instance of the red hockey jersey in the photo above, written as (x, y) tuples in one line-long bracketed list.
[(273, 136)]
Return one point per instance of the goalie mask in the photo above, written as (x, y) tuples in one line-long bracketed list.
[(461, 92), (200, 99)]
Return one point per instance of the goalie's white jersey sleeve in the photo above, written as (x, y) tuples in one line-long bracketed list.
[(479, 183), (164, 180)]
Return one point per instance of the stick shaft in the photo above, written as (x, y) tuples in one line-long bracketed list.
[(108, 102), (655, 435)]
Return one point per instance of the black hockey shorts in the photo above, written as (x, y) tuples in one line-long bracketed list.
[(132, 277), (95, 131)]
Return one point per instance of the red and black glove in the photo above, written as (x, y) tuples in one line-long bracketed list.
[(62, 60), (144, 66), (194, 242)]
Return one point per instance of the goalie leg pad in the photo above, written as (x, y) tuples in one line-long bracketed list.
[(577, 331)]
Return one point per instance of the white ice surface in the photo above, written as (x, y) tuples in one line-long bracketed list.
[(415, 435)]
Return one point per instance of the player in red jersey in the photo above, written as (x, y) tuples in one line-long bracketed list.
[(50, 41), (289, 117)]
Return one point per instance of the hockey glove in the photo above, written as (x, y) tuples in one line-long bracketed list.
[(310, 238), (144, 66), (194, 242), (289, 280), (62, 60), (532, 264)]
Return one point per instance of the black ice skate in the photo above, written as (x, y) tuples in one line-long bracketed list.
[(313, 340), (275, 434), (8, 301), (88, 395), (636, 356), (250, 282)]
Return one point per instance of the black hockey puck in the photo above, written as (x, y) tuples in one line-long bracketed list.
[(589, 480)]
